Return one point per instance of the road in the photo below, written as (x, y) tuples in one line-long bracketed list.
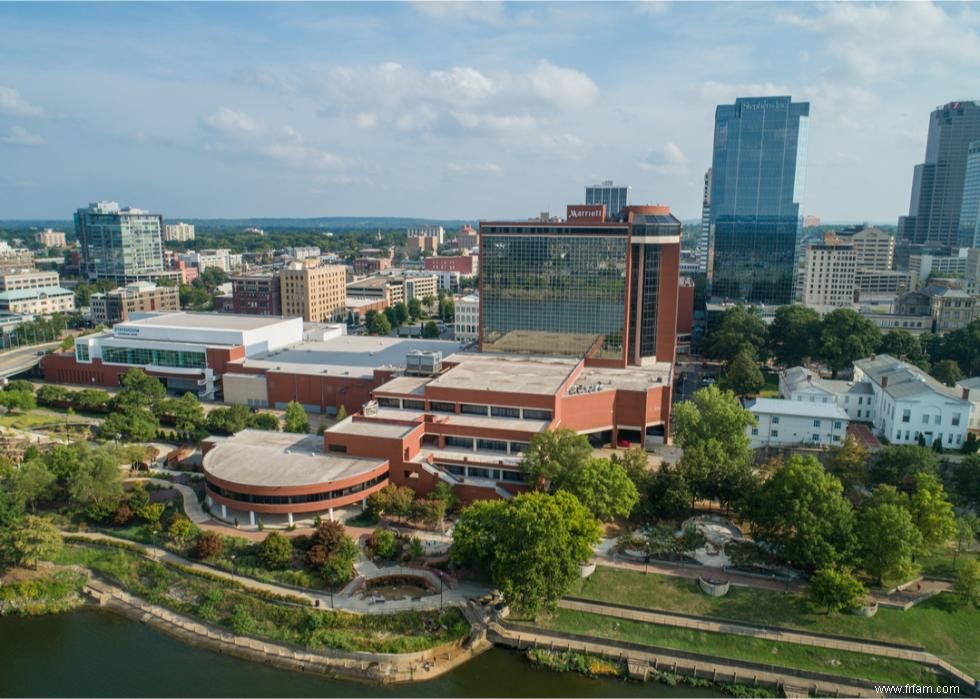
[(15, 361)]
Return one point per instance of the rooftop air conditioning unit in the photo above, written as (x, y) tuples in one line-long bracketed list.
[(423, 363)]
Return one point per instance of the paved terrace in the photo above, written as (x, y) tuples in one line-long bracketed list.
[(488, 372)]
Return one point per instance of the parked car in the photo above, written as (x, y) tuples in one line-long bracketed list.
[(623, 443)]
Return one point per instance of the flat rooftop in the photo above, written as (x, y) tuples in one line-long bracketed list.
[(372, 428), (779, 406), (542, 342), (349, 355), (506, 374), (280, 459), (206, 321), (632, 378), (405, 386)]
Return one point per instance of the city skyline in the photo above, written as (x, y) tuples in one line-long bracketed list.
[(456, 110)]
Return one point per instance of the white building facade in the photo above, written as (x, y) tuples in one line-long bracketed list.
[(467, 318), (781, 423)]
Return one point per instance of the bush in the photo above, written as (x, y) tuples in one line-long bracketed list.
[(382, 543), (242, 622), (276, 551), (124, 515), (208, 545)]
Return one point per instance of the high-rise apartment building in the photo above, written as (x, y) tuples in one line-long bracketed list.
[(257, 295), (829, 279), (124, 244), (139, 297), (584, 287), (937, 183), (616, 198), (178, 232), (970, 208), (316, 293), (757, 176), (704, 243), (50, 238)]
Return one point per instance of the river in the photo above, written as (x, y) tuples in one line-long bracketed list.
[(93, 653)]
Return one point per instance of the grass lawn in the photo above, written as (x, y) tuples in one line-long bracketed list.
[(835, 662), (940, 564), (771, 387), (25, 421), (939, 624)]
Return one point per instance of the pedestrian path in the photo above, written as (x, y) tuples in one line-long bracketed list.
[(192, 507)]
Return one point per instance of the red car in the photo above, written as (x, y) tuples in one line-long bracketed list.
[(623, 443)]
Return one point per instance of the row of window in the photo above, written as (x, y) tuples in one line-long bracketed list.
[(143, 356), (249, 498), (466, 408), (497, 474), (937, 419)]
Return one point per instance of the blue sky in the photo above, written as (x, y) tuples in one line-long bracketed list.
[(462, 110)]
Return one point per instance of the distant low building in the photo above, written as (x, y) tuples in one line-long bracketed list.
[(467, 318), (178, 232), (140, 297), (806, 386), (50, 238), (28, 280), (40, 301)]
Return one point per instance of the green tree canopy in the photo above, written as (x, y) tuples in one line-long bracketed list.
[(835, 589), (430, 330), (604, 487), (967, 583), (130, 423), (849, 463), (902, 344), (276, 551), (553, 456), (932, 512), (966, 482), (844, 337), (947, 371), (186, 413), (295, 419), (140, 390), (379, 325), (742, 375), (33, 481), (739, 328), (96, 484), (793, 334), (414, 308), (801, 510), (887, 540), (228, 420), (898, 464), (533, 546), (30, 540), (401, 313)]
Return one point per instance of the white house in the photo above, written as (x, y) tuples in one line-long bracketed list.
[(853, 397), (971, 391), (792, 422), (908, 403)]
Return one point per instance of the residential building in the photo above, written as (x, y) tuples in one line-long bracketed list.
[(39, 301), (50, 238), (316, 293), (584, 287), (421, 244), (139, 297), (970, 390), (803, 385), (366, 266), (829, 275), (616, 198), (909, 403), (467, 238), (782, 423), (702, 254), (14, 260), (467, 318), (912, 323), (757, 175), (938, 183), (178, 232), (124, 244), (465, 265), (256, 294), (969, 235), (187, 351), (28, 280)]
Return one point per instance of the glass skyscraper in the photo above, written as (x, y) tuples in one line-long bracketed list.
[(938, 183), (757, 176), (615, 198), (970, 209), (123, 244)]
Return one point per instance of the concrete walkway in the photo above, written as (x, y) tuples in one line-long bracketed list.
[(455, 594), (192, 508)]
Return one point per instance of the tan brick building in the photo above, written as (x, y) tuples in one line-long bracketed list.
[(317, 293)]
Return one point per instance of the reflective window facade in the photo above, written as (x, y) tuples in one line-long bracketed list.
[(970, 209), (554, 290), (615, 198), (119, 243), (756, 187), (145, 356)]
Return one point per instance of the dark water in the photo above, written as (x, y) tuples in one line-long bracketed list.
[(99, 654)]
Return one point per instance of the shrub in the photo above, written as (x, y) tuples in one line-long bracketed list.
[(242, 622), (276, 551), (208, 545), (124, 515), (383, 543)]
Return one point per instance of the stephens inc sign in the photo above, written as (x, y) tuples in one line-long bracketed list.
[(125, 331), (586, 212)]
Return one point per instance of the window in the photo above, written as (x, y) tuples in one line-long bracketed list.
[(472, 409), (455, 470), (338, 448), (518, 447), (925, 419), (437, 407), (81, 352), (474, 472), (906, 415), (463, 442), (837, 424), (775, 419), (816, 437), (491, 445), (774, 433), (534, 414), (755, 431), (939, 419), (501, 411), (956, 419), (513, 476), (816, 423), (388, 402)]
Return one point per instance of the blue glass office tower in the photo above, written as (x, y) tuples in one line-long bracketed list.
[(756, 185)]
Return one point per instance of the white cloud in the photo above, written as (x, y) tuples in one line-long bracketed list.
[(19, 136), (719, 92), (462, 85), (228, 121), (670, 158), (303, 157), (422, 118), (366, 120), (474, 168), (564, 87), (11, 102), (507, 123), (655, 8), (484, 11)]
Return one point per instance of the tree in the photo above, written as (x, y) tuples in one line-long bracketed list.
[(849, 463), (130, 423), (339, 568), (967, 583), (96, 484), (401, 313), (276, 551), (604, 488), (428, 301), (392, 500), (947, 371), (18, 401), (379, 325), (932, 512), (443, 491), (341, 413), (902, 344), (186, 413), (742, 375), (966, 482), (33, 481), (967, 528), (793, 334), (139, 389), (552, 456), (208, 545), (50, 394), (228, 420), (428, 512), (181, 531), (415, 308), (383, 543), (263, 421), (532, 546), (711, 429), (888, 541), (898, 464), (740, 328), (32, 539), (295, 419), (668, 494), (844, 337), (802, 511), (20, 386), (430, 330), (835, 588)]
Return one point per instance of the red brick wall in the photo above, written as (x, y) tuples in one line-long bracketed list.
[(63, 368), (685, 308), (323, 391), (667, 303), (450, 263)]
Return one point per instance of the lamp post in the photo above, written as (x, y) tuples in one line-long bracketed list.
[(440, 590), (233, 571)]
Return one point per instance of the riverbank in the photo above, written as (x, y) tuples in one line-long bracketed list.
[(37, 592)]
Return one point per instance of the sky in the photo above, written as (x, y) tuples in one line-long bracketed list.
[(456, 110)]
